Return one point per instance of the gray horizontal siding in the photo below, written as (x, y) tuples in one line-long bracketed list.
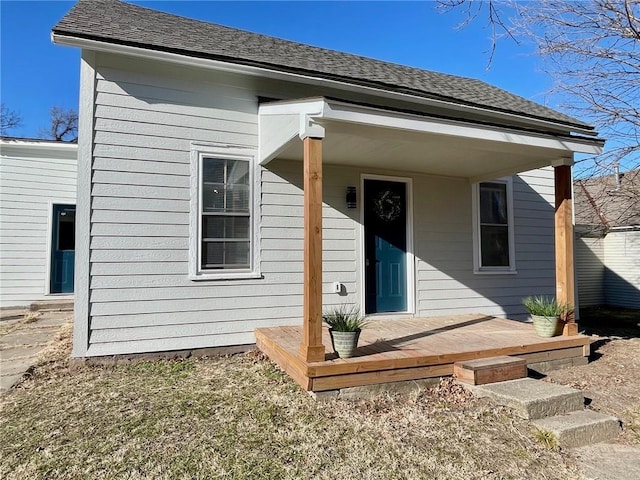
[(622, 269), (446, 283), (608, 269), (201, 316), (159, 344), (589, 266), (140, 295)]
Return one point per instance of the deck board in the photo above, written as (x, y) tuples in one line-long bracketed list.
[(413, 348)]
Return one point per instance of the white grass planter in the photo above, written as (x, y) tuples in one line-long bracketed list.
[(545, 326), (344, 343)]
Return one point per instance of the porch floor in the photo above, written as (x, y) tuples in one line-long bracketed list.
[(394, 350)]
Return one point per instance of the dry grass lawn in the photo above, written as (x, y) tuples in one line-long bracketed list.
[(241, 418), (611, 381)]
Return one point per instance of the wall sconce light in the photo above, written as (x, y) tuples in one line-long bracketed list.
[(351, 197)]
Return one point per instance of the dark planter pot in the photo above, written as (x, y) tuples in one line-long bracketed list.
[(344, 343), (545, 326)]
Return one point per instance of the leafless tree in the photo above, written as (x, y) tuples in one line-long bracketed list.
[(64, 125), (591, 49), (499, 23), (8, 119)]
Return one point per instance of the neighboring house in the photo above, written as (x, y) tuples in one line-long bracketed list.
[(607, 252), (421, 194), (37, 220)]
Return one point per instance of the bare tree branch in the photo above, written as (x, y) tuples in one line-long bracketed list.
[(64, 125), (591, 48), (499, 26), (8, 119)]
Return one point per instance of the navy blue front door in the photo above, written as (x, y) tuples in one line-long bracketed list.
[(63, 246), (385, 248)]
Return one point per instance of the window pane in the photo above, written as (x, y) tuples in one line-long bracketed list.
[(67, 230), (493, 203), (225, 185), (226, 220), (222, 227), (212, 254), (237, 198), (238, 172), (213, 197), (220, 170), (225, 255), (213, 170), (494, 246), (217, 197)]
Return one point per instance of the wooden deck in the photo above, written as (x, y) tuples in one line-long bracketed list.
[(395, 350)]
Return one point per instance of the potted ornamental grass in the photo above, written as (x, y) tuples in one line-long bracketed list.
[(547, 314), (345, 324)]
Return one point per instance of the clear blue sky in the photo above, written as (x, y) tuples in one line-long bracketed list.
[(35, 74)]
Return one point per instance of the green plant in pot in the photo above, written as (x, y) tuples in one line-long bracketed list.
[(345, 324), (547, 314)]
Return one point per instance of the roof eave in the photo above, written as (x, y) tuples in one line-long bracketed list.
[(271, 71), (37, 144)]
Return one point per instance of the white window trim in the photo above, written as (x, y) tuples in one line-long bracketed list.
[(232, 152), (477, 267)]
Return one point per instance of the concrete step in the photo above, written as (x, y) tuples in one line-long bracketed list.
[(532, 399), (52, 306), (12, 313), (580, 428)]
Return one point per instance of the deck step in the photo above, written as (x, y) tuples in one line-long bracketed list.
[(490, 370), (580, 428), (532, 399)]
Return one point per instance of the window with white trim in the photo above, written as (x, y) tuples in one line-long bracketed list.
[(494, 250), (222, 221)]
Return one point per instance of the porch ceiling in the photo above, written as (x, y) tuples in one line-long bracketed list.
[(374, 138)]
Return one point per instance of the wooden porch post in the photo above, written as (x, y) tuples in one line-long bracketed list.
[(312, 349), (564, 244)]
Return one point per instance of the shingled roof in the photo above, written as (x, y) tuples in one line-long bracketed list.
[(113, 21), (608, 202)]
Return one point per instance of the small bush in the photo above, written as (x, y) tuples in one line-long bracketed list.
[(345, 319), (545, 306)]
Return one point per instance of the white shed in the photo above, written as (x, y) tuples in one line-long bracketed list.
[(37, 220)]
